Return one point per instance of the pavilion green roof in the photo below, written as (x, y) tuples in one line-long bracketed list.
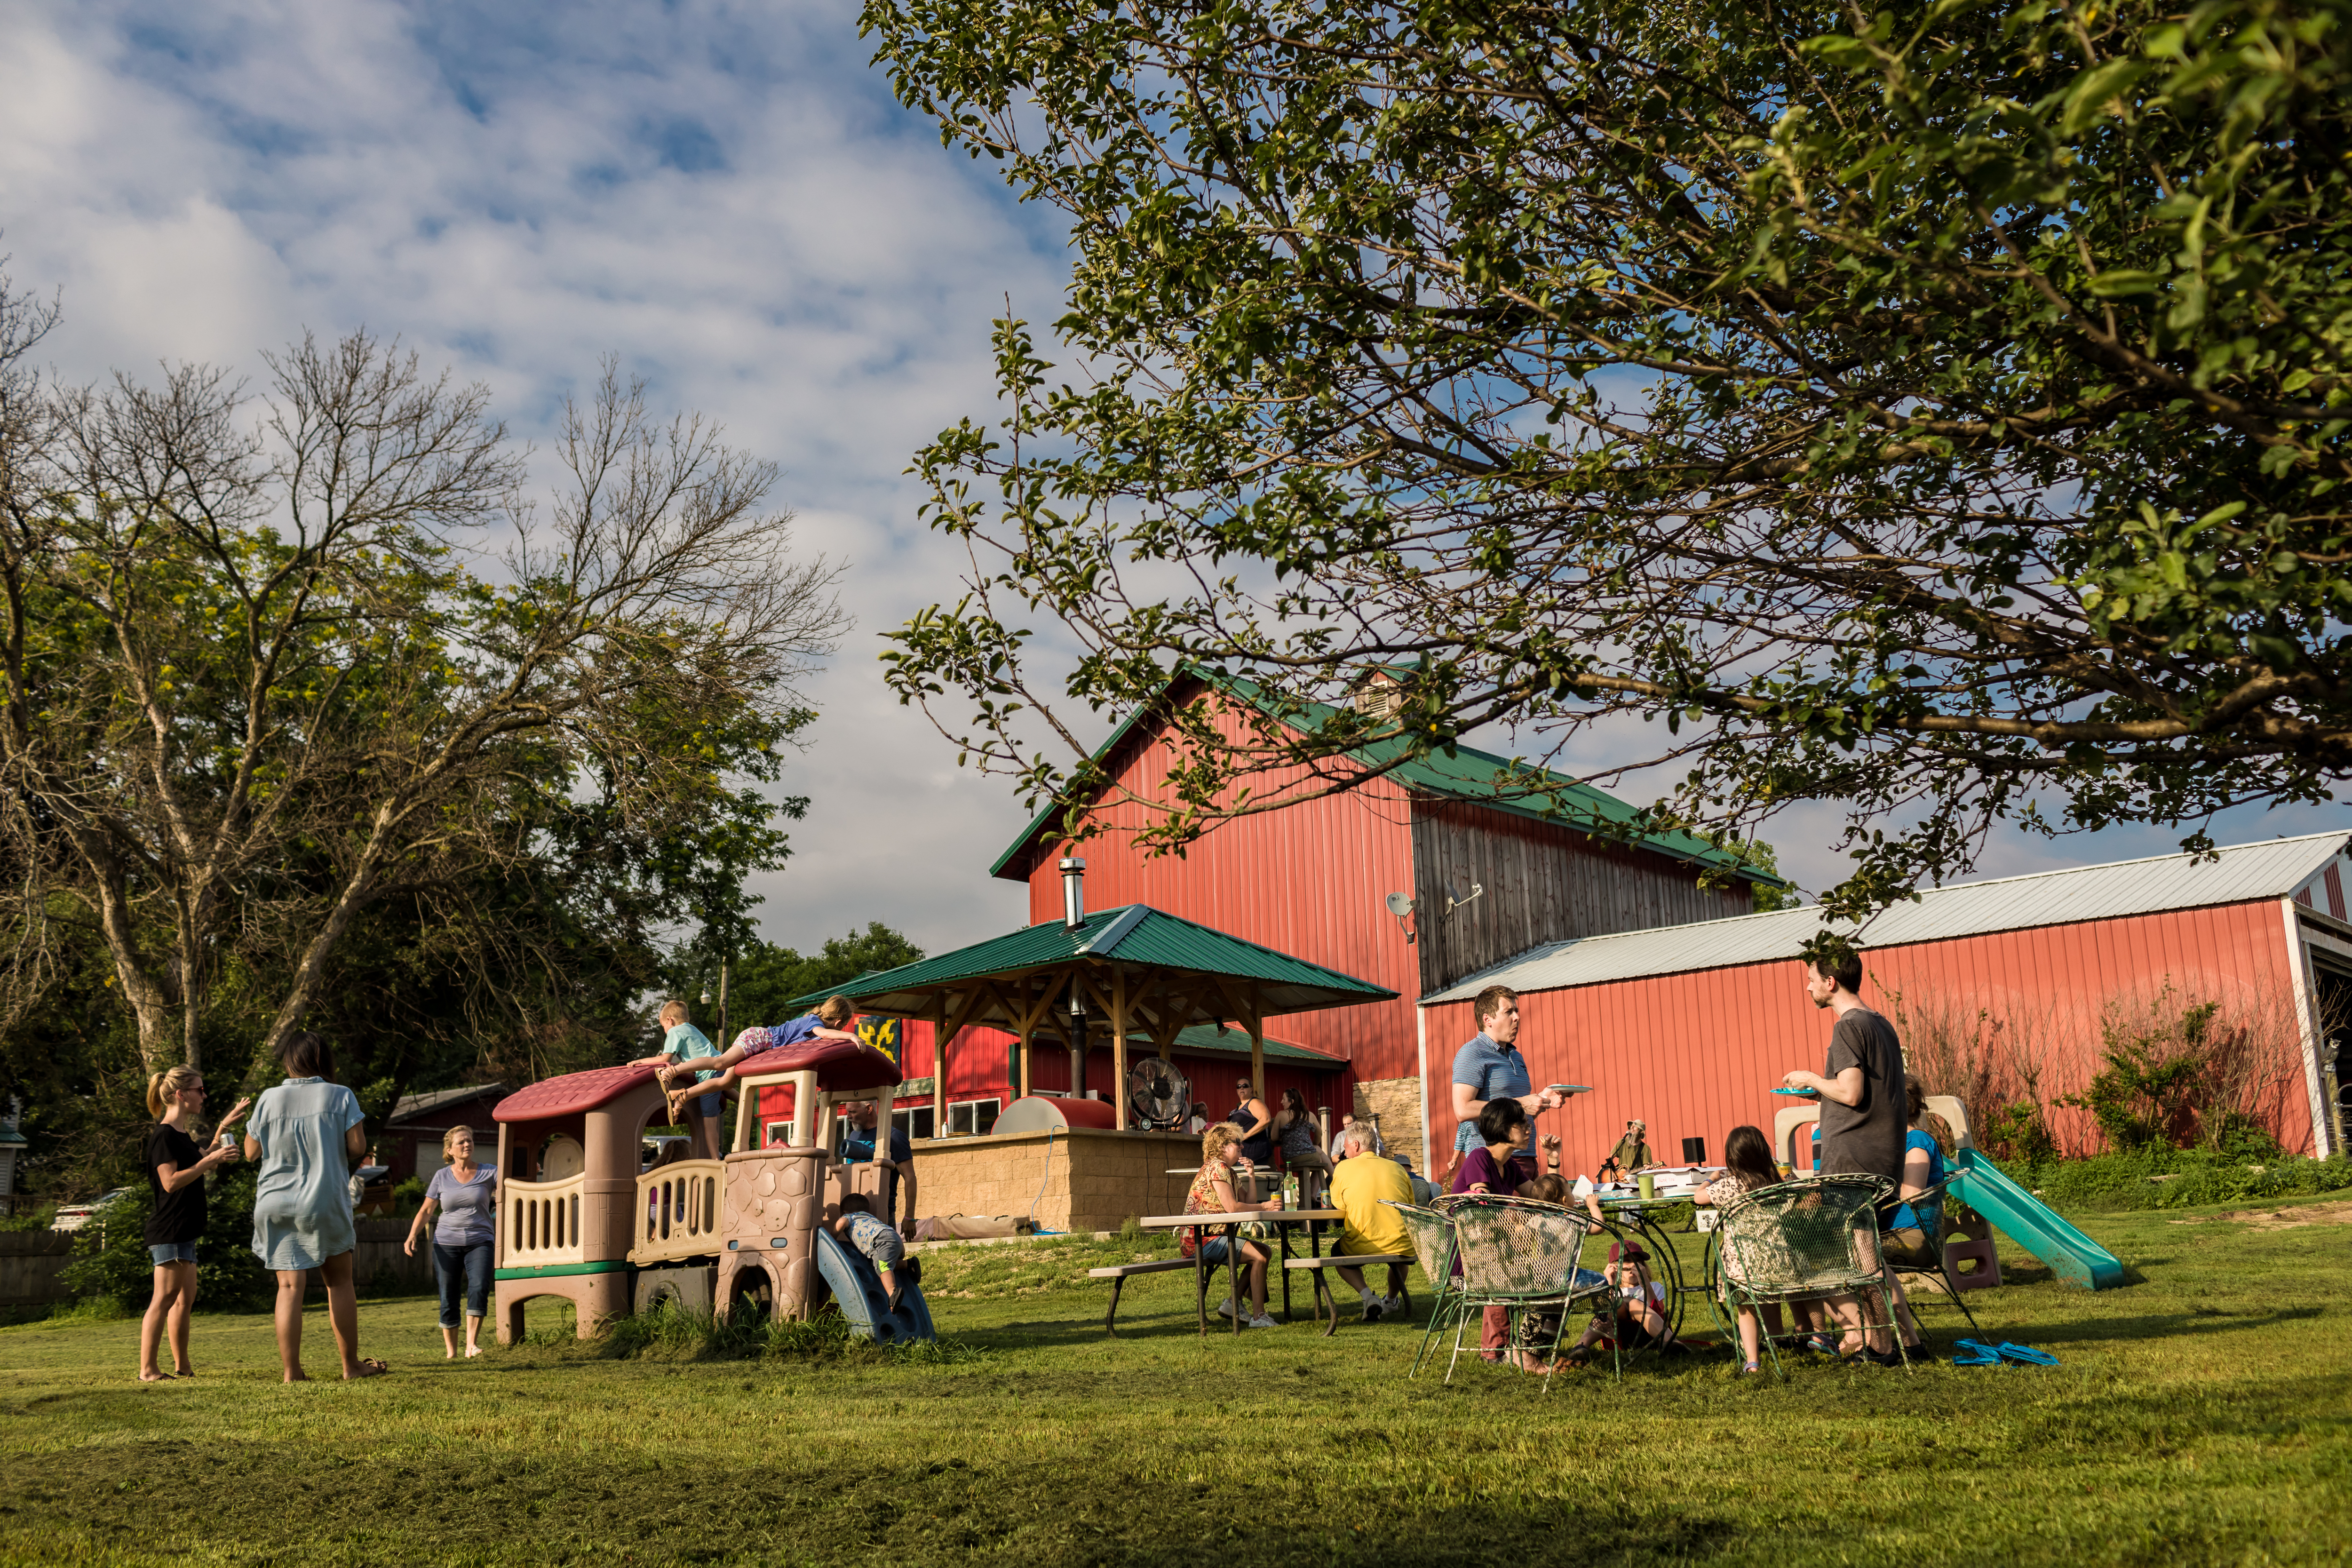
[(1216, 1040), (1207, 966)]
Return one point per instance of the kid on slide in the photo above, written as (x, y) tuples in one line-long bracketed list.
[(863, 1229)]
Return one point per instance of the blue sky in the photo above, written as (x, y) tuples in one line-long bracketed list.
[(725, 197)]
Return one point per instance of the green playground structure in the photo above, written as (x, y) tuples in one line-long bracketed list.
[(2074, 1258)]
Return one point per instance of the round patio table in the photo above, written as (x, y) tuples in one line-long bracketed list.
[(1641, 1219)]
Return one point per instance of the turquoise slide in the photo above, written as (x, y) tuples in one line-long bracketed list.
[(2074, 1258), (858, 1290)]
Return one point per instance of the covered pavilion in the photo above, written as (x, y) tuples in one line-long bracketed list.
[(1118, 975)]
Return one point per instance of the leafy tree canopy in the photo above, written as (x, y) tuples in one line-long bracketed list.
[(765, 978), (1936, 409)]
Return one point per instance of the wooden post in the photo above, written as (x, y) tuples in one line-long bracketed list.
[(939, 1070), (1118, 1048), (1257, 1054), (1024, 1085)]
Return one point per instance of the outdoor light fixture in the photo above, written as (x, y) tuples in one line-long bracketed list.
[(706, 995), (1073, 892)]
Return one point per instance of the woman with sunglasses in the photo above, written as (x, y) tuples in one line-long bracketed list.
[(176, 1168)]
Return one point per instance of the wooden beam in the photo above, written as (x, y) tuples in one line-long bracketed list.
[(1255, 1022), (1119, 1047)]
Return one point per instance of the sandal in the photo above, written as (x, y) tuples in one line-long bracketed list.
[(369, 1367)]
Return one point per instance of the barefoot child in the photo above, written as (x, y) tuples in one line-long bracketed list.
[(830, 1021), (866, 1231), (682, 1044)]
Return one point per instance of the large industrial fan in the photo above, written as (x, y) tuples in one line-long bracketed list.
[(1158, 1096)]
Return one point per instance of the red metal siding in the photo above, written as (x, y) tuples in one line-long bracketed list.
[(1696, 1055), (1308, 880)]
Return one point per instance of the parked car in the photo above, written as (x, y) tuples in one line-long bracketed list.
[(73, 1216)]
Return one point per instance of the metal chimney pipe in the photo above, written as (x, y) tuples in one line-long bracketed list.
[(1073, 892)]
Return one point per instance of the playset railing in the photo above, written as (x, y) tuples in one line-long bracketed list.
[(542, 1222), (677, 1211)]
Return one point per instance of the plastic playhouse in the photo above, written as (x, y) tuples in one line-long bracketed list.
[(579, 1219)]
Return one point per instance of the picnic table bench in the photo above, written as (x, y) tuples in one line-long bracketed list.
[(1118, 1276), (1327, 1304)]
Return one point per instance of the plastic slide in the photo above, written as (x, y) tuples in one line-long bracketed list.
[(857, 1290), (2074, 1258)]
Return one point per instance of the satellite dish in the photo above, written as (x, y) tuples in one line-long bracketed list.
[(1399, 905), (1158, 1096)]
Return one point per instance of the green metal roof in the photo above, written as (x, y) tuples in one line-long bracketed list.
[(1135, 937), (1466, 774), (1212, 1039)]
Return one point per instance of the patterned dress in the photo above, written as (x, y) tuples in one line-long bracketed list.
[(1202, 1199)]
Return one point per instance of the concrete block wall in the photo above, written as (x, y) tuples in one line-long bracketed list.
[(1074, 1179)]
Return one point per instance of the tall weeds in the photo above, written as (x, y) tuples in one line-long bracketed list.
[(2167, 1068)]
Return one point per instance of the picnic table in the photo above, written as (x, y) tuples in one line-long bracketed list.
[(1231, 1224)]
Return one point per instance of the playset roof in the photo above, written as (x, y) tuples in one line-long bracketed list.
[(839, 1065)]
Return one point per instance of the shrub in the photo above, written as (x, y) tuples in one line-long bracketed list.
[(111, 1252), (2155, 1177)]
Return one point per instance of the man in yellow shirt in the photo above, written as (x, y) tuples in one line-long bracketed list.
[(1368, 1226)]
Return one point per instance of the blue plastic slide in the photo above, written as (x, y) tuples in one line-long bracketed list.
[(858, 1290), (2074, 1258)]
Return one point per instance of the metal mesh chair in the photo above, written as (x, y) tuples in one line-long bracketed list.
[(1816, 1235), (1432, 1241), (1935, 1266), (1521, 1256)]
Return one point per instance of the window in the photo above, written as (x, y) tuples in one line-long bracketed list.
[(915, 1121), (972, 1117)]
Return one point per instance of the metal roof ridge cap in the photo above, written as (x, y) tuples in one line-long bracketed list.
[(1108, 937), (2339, 835)]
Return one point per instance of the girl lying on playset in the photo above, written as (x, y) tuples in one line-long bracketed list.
[(830, 1021)]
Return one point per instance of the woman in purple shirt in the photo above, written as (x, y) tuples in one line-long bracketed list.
[(1498, 1166)]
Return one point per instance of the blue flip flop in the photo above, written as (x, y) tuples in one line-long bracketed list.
[(2024, 1355), (1975, 1352)]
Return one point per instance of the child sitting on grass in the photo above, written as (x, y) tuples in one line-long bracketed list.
[(863, 1229)]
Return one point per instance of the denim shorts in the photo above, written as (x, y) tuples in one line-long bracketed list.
[(172, 1252), (1215, 1251), (710, 1105)]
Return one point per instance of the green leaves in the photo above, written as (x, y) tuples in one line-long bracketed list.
[(1829, 391)]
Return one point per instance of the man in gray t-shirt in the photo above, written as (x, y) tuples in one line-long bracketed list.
[(1861, 1089), (1862, 1102)]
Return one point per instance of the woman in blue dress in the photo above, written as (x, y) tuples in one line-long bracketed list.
[(305, 1134)]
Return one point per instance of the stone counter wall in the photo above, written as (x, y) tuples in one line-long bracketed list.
[(1077, 1178)]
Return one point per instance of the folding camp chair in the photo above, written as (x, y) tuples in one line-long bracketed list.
[(1816, 1235)]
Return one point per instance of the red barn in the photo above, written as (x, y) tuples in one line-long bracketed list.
[(2003, 991), (1490, 875)]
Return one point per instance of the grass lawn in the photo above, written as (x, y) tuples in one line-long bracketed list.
[(2202, 1414)]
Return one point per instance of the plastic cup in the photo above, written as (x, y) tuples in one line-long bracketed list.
[(1648, 1184)]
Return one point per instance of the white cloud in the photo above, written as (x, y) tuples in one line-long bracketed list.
[(731, 203), (728, 199)]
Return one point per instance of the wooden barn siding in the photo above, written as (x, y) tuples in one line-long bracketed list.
[(1542, 883), (1696, 1055), (1308, 880)]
